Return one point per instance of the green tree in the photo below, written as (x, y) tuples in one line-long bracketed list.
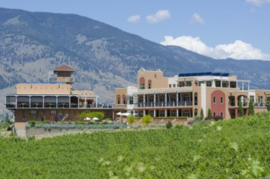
[(147, 119), (169, 125), (209, 113), (251, 107), (240, 109), (131, 119), (202, 115)]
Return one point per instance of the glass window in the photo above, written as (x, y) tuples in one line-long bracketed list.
[(170, 85), (131, 100), (149, 86), (118, 99), (209, 83), (181, 84), (124, 99), (174, 85), (217, 83), (221, 114), (214, 99), (142, 86), (189, 83), (214, 114), (251, 98), (221, 100), (260, 99)]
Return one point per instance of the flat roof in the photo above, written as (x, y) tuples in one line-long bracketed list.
[(203, 74), (43, 83)]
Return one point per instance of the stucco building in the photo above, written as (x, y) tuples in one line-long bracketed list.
[(187, 94), (53, 99)]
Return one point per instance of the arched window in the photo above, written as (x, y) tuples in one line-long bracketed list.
[(118, 99), (149, 84), (124, 99), (142, 83)]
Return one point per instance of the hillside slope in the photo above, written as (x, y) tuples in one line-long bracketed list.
[(104, 57)]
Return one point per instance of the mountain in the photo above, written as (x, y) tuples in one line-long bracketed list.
[(104, 57)]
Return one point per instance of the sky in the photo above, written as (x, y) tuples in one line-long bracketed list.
[(220, 29)]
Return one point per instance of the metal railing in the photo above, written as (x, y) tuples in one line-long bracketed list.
[(164, 104), (58, 106)]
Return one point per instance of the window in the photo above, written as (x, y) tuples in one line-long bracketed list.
[(217, 83), (214, 114), (149, 84), (174, 85), (221, 114), (209, 83), (260, 99), (131, 100), (170, 85), (189, 83), (221, 100), (181, 84), (142, 83), (214, 99), (124, 99), (118, 99), (251, 98)]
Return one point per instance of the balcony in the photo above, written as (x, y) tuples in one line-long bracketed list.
[(163, 104)]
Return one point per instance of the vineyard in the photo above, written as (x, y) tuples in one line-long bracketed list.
[(237, 148)]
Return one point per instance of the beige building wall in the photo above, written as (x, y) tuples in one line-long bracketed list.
[(82, 92), (120, 93), (43, 88), (156, 77)]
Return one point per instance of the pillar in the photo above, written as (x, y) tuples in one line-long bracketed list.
[(213, 83), (96, 101), (165, 99), (154, 99), (16, 101), (43, 103), (177, 112), (154, 113), (29, 101), (143, 100), (165, 112), (56, 101), (143, 112), (236, 112), (177, 99)]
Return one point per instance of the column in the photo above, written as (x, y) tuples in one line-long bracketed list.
[(176, 98), (29, 101), (165, 112), (154, 113), (177, 112), (16, 101), (148, 104), (96, 101), (180, 99), (77, 102), (165, 99), (143, 100), (69, 104), (43, 103), (158, 99), (143, 112), (213, 83), (229, 84), (56, 105), (154, 99), (221, 85), (85, 104), (169, 95), (248, 86)]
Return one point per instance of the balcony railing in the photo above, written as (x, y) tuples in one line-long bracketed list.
[(58, 106), (163, 104)]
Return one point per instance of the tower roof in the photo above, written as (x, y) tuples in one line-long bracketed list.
[(63, 68)]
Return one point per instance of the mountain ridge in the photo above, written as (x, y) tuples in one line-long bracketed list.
[(104, 57)]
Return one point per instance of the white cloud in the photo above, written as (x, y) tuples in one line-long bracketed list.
[(258, 2), (196, 18), (160, 15), (135, 18), (237, 50)]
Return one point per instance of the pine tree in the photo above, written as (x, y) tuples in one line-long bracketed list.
[(209, 113), (251, 107), (240, 109), (202, 115)]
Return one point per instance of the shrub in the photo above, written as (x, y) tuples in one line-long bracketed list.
[(169, 125), (32, 123), (202, 114), (191, 122), (216, 118), (46, 122), (147, 119), (179, 126), (131, 119)]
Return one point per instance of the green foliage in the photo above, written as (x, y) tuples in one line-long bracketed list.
[(3, 125), (32, 123), (268, 105), (240, 109), (85, 114), (251, 107), (209, 114), (169, 125), (206, 150), (202, 114), (46, 121), (147, 119), (131, 119)]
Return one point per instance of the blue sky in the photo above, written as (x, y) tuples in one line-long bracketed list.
[(220, 29)]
